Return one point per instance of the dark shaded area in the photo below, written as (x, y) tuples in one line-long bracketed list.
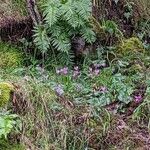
[(13, 30)]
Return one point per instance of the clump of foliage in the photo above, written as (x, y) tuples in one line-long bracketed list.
[(62, 21), (10, 56), (5, 92), (7, 124), (130, 46), (106, 29)]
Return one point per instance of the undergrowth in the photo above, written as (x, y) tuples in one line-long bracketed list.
[(50, 101)]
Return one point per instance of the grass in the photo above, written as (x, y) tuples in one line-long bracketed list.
[(12, 8)]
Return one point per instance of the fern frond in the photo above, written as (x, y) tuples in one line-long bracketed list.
[(62, 43), (66, 59), (51, 12), (41, 39), (83, 8), (88, 34)]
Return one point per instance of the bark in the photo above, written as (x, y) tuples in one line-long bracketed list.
[(33, 11)]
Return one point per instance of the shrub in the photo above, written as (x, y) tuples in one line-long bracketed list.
[(10, 57)]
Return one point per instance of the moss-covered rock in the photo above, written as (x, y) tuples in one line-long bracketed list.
[(5, 92), (130, 46), (10, 57)]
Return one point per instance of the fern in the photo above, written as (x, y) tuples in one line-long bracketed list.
[(51, 12), (64, 19), (88, 34), (41, 39)]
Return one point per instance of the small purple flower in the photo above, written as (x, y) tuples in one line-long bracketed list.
[(64, 71), (103, 64), (137, 98), (96, 72), (76, 72), (96, 65), (59, 90), (103, 89)]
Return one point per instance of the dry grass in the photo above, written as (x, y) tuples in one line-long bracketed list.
[(11, 9)]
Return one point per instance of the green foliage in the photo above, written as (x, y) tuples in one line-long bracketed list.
[(118, 88), (106, 29), (7, 124), (62, 21), (143, 32), (41, 38), (5, 91), (10, 57), (112, 28)]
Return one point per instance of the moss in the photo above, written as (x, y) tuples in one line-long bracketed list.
[(130, 46), (5, 91), (10, 57)]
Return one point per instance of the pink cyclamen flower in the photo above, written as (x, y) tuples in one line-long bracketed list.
[(76, 74), (96, 65), (96, 72), (103, 89), (137, 98), (59, 90), (103, 64), (64, 71)]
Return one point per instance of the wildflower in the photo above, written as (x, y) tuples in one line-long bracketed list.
[(96, 65), (103, 89), (137, 98), (59, 90), (76, 72), (103, 65), (96, 72), (62, 71)]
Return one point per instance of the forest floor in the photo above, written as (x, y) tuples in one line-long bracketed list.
[(101, 103)]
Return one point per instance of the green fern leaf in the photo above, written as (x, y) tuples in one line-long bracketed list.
[(41, 39)]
